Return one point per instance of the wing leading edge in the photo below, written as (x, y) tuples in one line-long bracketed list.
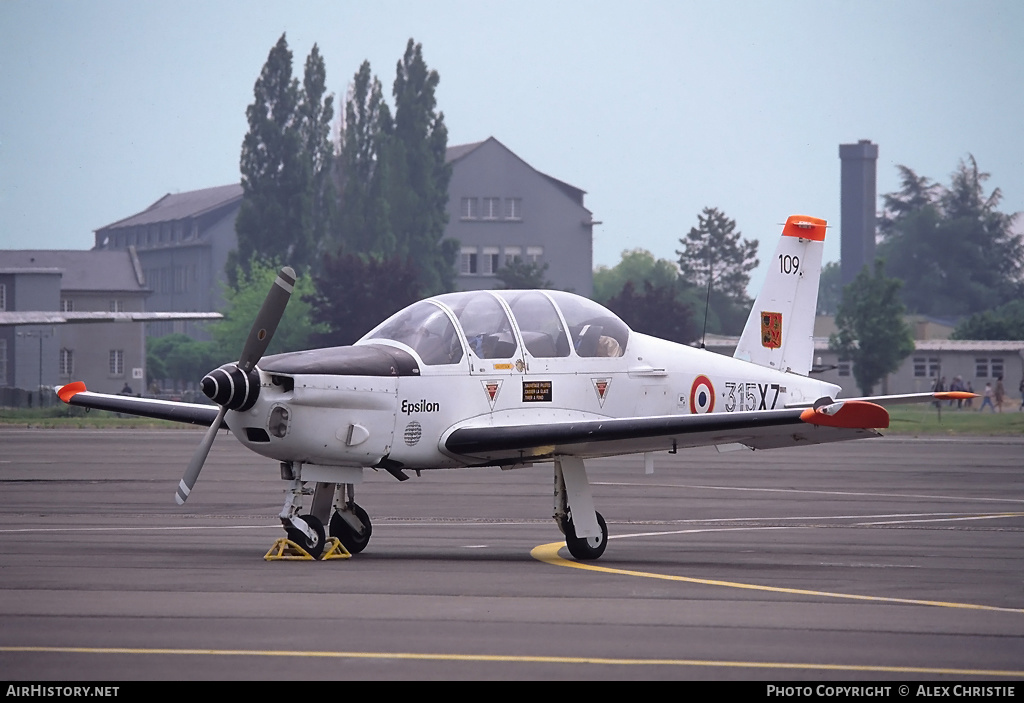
[(767, 429), (192, 413)]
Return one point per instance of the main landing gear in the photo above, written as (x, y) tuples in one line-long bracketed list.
[(586, 534), (348, 526)]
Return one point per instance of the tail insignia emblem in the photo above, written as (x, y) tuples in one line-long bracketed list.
[(771, 329)]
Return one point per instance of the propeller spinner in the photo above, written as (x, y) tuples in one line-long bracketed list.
[(236, 386)]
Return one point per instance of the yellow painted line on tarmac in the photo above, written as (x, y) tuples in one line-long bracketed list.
[(515, 659), (548, 553)]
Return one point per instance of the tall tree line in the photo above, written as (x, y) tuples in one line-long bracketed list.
[(374, 208), (950, 245)]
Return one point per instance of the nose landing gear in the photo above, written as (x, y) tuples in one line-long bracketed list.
[(349, 525)]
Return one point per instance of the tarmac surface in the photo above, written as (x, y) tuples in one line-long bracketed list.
[(886, 559)]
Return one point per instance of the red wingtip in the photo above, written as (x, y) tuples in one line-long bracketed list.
[(65, 393), (852, 414), (955, 395)]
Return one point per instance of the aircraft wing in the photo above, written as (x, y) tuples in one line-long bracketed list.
[(45, 317), (192, 413), (767, 429)]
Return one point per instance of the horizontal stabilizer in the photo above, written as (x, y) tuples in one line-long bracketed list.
[(850, 414)]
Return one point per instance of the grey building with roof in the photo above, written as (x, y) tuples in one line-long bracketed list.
[(106, 355), (499, 208), (182, 242)]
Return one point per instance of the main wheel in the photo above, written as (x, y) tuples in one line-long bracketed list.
[(314, 547), (353, 542), (586, 548)]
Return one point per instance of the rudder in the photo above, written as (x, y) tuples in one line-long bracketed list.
[(779, 332)]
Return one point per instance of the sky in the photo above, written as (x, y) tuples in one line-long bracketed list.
[(656, 108)]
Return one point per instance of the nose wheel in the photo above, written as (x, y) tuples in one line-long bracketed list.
[(353, 538), (315, 544)]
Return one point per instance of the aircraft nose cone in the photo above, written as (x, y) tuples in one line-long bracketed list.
[(209, 386)]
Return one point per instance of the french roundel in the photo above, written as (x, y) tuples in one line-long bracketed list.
[(702, 395)]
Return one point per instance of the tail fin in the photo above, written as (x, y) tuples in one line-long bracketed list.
[(779, 332)]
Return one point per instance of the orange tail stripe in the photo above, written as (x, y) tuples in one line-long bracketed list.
[(805, 227)]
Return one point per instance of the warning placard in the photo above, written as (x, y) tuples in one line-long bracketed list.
[(536, 391)]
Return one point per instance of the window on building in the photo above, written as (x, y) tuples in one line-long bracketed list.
[(3, 296), (513, 254), (67, 363), (513, 208), (470, 209), (117, 362), (489, 261), (492, 208), (468, 261), (116, 306), (67, 305), (986, 367), (534, 255), (926, 366), (3, 362)]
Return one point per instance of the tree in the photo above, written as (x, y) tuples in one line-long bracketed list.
[(916, 192), (716, 250), (354, 293), (1004, 322), (520, 275), (952, 247), (394, 177), (655, 311), (179, 358), (830, 288), (365, 223), (418, 174), (295, 330), (638, 266), (393, 190), (316, 110), (872, 333), (285, 163)]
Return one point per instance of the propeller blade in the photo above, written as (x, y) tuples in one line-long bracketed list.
[(266, 322), (198, 459)]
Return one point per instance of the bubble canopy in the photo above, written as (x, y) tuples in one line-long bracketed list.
[(498, 324)]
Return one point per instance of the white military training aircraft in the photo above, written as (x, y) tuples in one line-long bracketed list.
[(509, 378)]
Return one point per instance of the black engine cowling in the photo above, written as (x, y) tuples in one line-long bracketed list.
[(230, 387)]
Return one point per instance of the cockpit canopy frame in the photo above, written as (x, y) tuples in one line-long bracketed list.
[(498, 324)]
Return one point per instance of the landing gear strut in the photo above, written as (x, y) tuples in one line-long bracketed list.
[(347, 522), (586, 534)]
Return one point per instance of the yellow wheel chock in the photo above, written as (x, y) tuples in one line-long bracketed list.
[(334, 549), (285, 549)]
